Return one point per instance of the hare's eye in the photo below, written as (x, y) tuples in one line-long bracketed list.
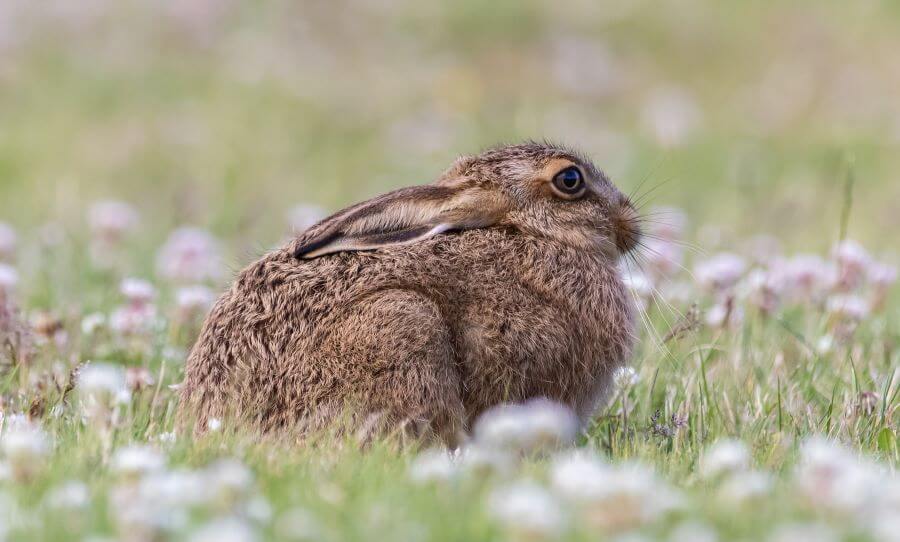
[(569, 182)]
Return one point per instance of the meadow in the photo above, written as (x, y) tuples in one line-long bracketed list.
[(150, 150)]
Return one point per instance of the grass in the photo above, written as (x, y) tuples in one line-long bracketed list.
[(227, 119)]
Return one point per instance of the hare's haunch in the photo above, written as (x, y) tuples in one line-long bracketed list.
[(427, 305)]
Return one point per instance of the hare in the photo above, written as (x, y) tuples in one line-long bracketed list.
[(423, 307)]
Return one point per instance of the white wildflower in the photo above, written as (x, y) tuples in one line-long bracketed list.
[(796, 532), (70, 495), (850, 307), (193, 300), (110, 220), (612, 497), (225, 530), (9, 279), (434, 465), (190, 255), (693, 532), (101, 386), (853, 261), (214, 424), (720, 272), (745, 486), (533, 426), (726, 456), (625, 377), (228, 481), (137, 291), (92, 323), (482, 461), (831, 477), (25, 448), (136, 461), (527, 511)]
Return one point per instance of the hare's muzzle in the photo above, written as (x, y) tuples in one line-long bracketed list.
[(626, 226)]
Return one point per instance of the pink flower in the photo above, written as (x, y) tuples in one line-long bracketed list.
[(881, 275), (720, 272), (848, 307), (662, 257), (806, 276), (852, 261), (190, 255), (137, 291), (133, 319), (194, 300), (110, 220)]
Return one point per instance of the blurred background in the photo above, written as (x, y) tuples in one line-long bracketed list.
[(244, 118)]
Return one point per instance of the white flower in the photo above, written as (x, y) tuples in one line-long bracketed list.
[(833, 478), (9, 278), (214, 424), (133, 462), (8, 241), (536, 425), (71, 495), (726, 456), (882, 275), (25, 447), (693, 532), (133, 319), (228, 480), (435, 465), (190, 255), (638, 283), (194, 299), (110, 220), (625, 377), (720, 272), (92, 323), (101, 382), (743, 486), (225, 530), (806, 276), (849, 306), (796, 532), (304, 216), (137, 291), (613, 497), (579, 475), (853, 262), (482, 461), (527, 510), (101, 386)]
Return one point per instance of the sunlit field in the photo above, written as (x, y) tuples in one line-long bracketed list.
[(150, 150)]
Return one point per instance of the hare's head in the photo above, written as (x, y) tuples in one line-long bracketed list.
[(537, 189)]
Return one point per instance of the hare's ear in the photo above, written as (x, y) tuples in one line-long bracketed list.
[(401, 217)]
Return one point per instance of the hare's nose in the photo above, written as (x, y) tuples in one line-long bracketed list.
[(626, 226)]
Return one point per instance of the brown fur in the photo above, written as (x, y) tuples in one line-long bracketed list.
[(518, 297)]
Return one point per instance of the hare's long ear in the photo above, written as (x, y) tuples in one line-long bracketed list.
[(401, 217)]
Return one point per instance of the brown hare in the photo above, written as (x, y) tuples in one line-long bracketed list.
[(423, 307)]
